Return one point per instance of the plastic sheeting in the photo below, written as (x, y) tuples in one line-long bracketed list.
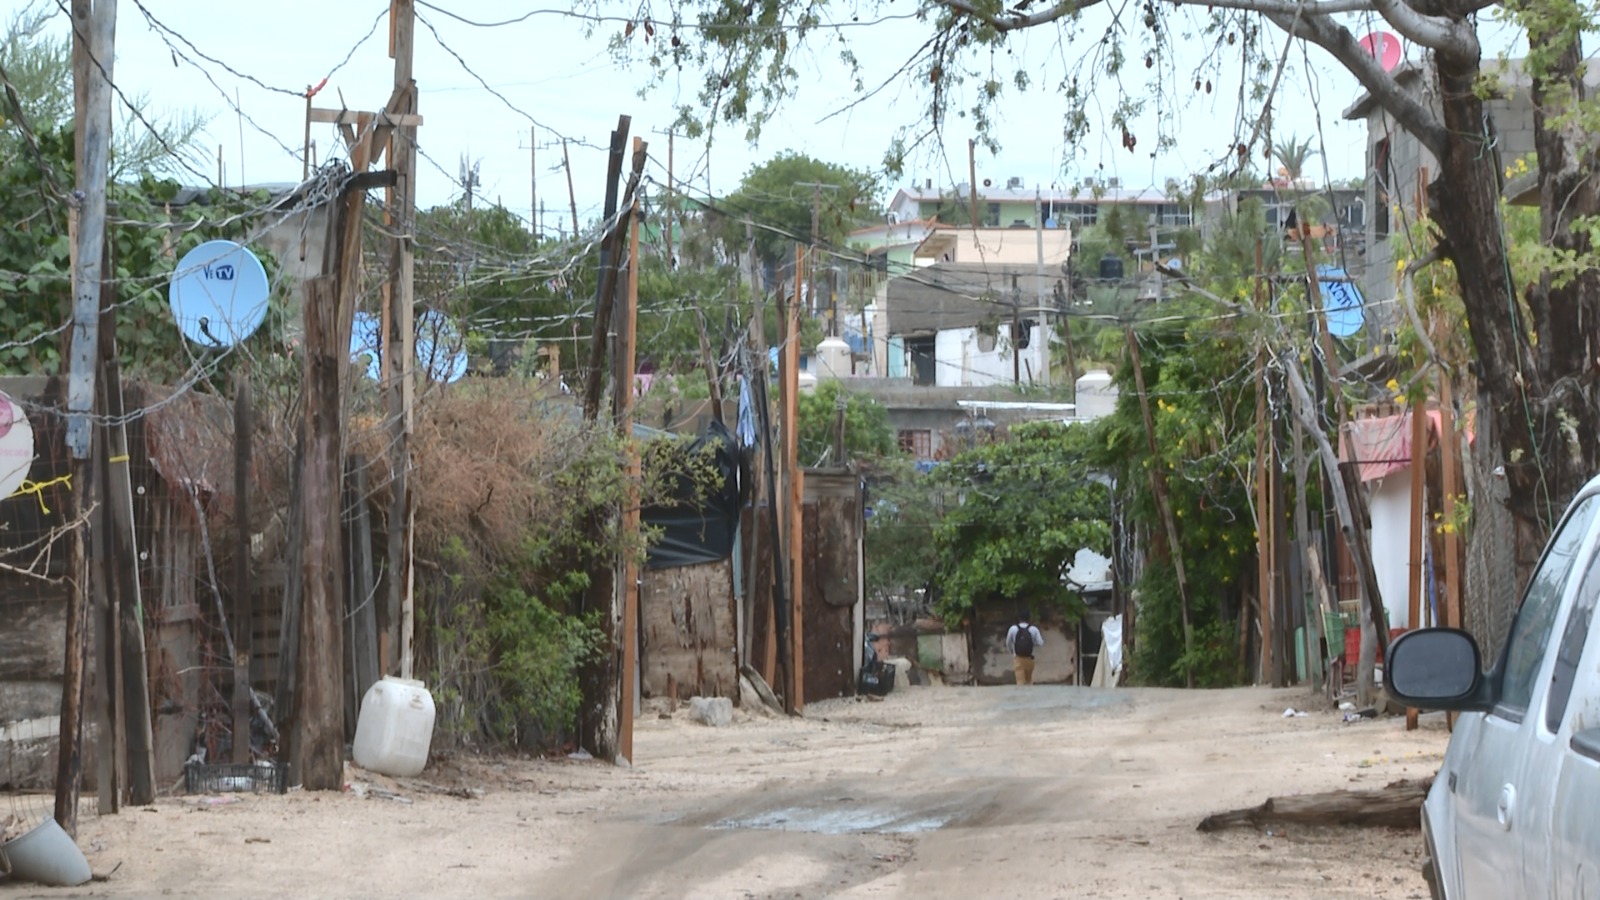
[(1108, 669), (693, 533)]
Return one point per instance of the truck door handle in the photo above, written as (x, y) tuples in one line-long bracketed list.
[(1506, 807)]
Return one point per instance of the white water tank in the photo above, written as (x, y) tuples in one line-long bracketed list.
[(395, 728), (833, 358)]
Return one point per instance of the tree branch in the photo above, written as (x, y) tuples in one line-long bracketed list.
[(1016, 20), (1450, 37), (1408, 111)]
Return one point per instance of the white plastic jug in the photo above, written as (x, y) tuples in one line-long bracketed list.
[(395, 727)]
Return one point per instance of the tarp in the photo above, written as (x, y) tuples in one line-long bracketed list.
[(693, 532)]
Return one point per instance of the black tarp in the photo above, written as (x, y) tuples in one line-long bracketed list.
[(695, 531)]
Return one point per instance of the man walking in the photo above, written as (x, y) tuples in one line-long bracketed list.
[(1022, 639)]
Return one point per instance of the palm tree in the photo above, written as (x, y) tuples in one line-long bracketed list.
[(1292, 154)]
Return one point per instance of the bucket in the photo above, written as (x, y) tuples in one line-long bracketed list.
[(395, 728), (47, 855)]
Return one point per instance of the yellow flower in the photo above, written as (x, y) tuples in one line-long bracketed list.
[(1393, 386)]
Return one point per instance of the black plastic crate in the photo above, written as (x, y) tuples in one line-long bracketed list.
[(221, 778)]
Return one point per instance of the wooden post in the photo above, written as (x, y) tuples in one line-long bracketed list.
[(1418, 471), (94, 50), (329, 308), (629, 583), (1263, 523), (794, 493), (1450, 472), (243, 599), (1158, 486), (572, 198), (400, 357)]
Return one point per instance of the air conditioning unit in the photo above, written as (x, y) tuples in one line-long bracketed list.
[(1013, 183)]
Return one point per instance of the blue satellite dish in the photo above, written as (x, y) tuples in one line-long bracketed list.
[(219, 294), (440, 351), (1342, 304), (366, 343)]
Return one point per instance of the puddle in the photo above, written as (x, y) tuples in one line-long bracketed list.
[(854, 820)]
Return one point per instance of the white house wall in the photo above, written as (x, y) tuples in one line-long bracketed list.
[(959, 362)]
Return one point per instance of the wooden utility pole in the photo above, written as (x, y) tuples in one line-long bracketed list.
[(628, 584), (318, 713), (533, 180), (399, 336), (572, 198), (244, 611), (606, 290), (972, 182), (1016, 330), (1158, 486), (94, 50), (794, 493)]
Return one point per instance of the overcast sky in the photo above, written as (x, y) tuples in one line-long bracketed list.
[(551, 74)]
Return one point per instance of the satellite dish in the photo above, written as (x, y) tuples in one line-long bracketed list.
[(1175, 263), (219, 294), (16, 446), (440, 351), (1341, 301), (1383, 47), (366, 342)]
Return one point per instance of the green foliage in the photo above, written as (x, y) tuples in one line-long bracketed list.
[(1159, 658), (778, 195), (37, 57), (1021, 510), (1202, 408), (906, 508), (866, 424), (36, 172), (36, 275)]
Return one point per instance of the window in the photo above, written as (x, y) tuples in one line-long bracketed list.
[(917, 441), (1380, 189), (1571, 647), (991, 219), (919, 355), (1083, 213), (1174, 215), (1530, 632)]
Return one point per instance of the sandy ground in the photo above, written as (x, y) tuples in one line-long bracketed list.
[(934, 792)]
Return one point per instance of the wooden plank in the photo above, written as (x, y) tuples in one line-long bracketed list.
[(354, 117), (1450, 470), (364, 662)]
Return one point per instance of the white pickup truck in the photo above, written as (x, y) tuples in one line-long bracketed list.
[(1515, 809)]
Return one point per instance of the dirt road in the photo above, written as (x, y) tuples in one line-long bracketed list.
[(934, 792)]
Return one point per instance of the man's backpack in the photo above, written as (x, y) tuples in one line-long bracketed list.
[(1022, 645)]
